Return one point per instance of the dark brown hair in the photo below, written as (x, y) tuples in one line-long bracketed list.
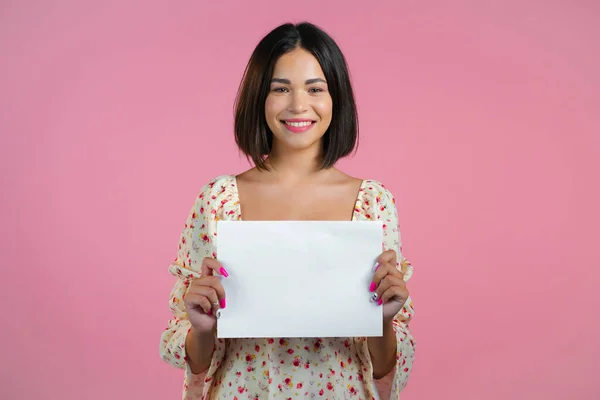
[(252, 134)]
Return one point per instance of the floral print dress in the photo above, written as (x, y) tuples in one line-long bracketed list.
[(282, 368)]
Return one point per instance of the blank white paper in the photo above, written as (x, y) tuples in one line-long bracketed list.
[(299, 278)]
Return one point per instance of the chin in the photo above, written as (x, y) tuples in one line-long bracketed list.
[(298, 141)]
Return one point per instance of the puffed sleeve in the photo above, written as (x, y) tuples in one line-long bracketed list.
[(405, 351), (195, 243)]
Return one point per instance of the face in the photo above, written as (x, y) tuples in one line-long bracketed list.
[(299, 107)]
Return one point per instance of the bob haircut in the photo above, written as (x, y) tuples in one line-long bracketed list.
[(252, 134)]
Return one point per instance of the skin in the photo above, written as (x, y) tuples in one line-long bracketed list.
[(295, 189)]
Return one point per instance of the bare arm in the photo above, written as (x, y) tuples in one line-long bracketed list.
[(383, 351), (199, 347)]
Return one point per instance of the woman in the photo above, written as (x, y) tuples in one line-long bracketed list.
[(295, 117)]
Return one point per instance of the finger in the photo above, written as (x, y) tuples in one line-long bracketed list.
[(196, 301), (387, 265), (210, 266), (210, 285), (209, 293), (399, 293), (387, 257), (388, 282)]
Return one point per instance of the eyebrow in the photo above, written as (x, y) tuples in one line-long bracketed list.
[(307, 82)]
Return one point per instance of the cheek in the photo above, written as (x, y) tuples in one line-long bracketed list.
[(324, 108), (272, 107)]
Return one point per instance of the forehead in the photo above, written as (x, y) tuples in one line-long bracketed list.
[(298, 63)]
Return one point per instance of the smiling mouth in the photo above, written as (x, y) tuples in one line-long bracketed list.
[(298, 124)]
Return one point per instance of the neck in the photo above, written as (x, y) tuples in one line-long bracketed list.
[(295, 166)]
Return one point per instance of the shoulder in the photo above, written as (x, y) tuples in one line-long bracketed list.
[(213, 195), (218, 186), (211, 201), (375, 191)]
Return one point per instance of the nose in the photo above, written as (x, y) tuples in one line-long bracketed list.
[(298, 103)]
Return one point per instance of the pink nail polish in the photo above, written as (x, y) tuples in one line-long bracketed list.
[(223, 272), (222, 302), (372, 287), (379, 301), (376, 266), (209, 312)]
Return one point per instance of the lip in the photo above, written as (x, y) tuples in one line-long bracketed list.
[(298, 129), (299, 120)]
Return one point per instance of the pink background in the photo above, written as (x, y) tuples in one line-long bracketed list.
[(480, 116)]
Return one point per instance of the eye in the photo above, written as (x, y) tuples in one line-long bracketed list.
[(280, 90), (316, 90)]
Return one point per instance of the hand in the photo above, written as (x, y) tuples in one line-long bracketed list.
[(388, 285), (205, 296)]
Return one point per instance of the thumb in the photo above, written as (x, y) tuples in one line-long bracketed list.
[(205, 270)]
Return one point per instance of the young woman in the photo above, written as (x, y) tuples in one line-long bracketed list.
[(295, 117)]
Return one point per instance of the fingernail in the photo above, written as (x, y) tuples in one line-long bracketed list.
[(223, 272), (374, 297), (375, 267), (222, 302), (209, 312), (372, 287), (379, 302)]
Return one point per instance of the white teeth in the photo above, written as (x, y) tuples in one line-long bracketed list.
[(299, 124)]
